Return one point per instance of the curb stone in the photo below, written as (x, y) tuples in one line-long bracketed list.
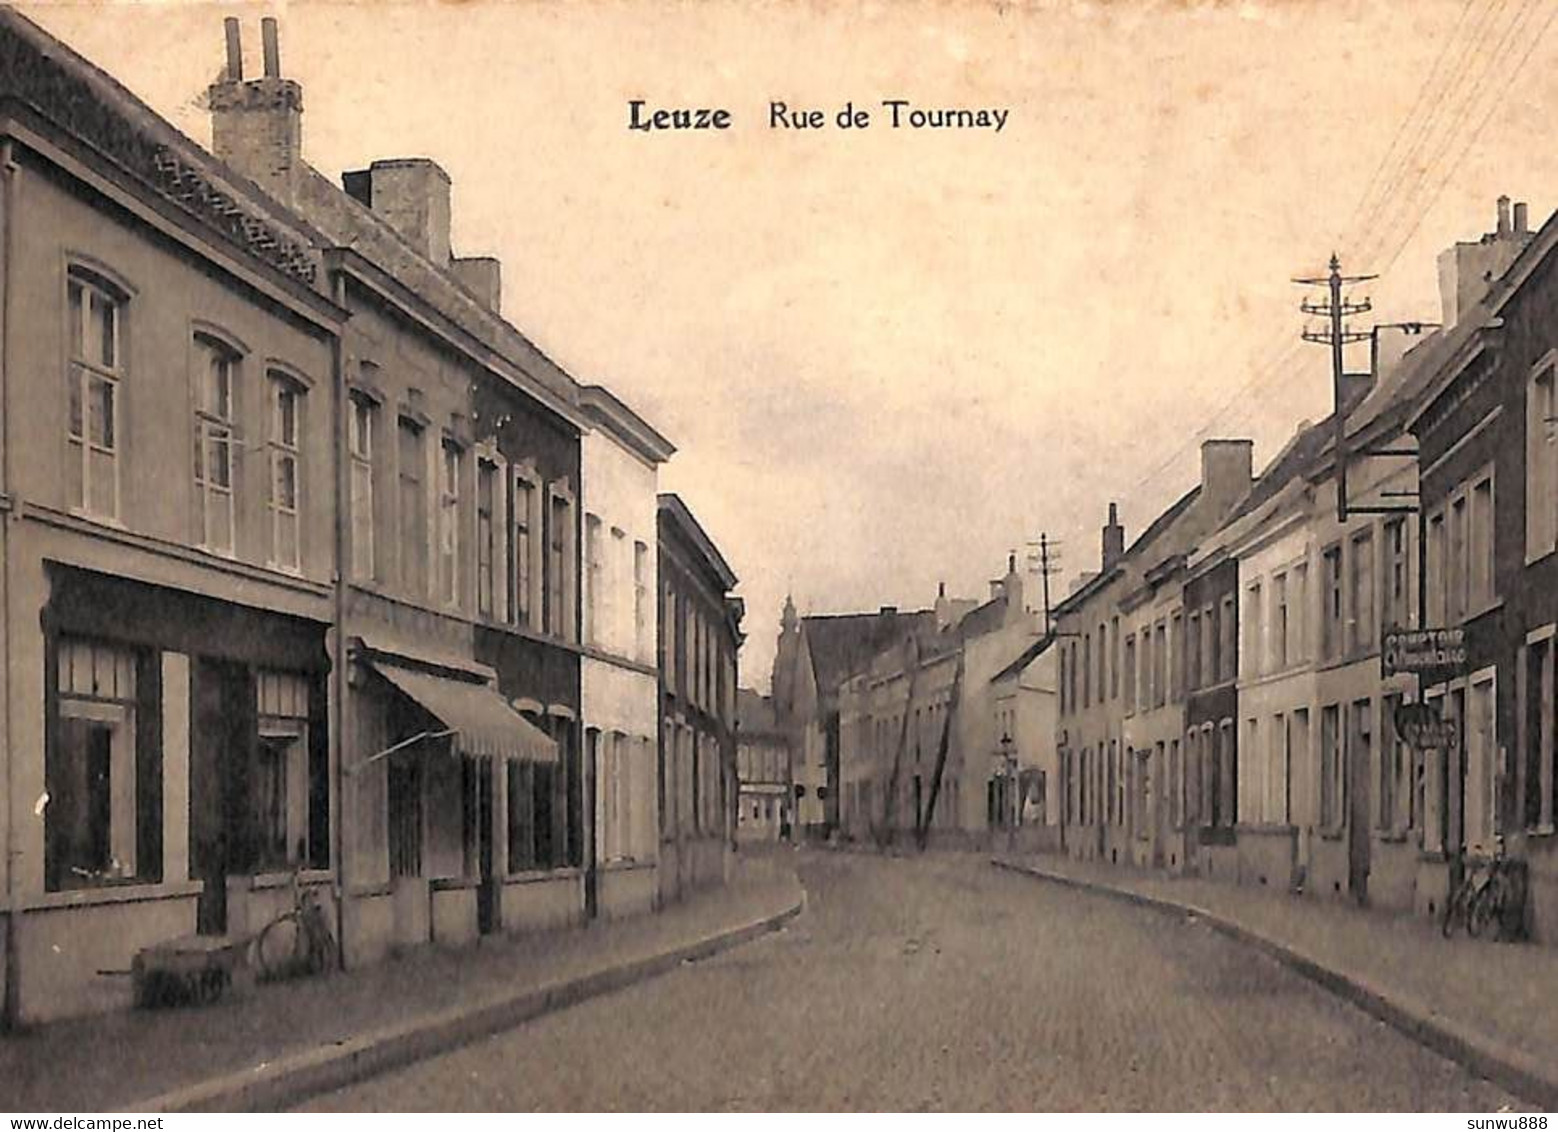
[(275, 1085), (1510, 1069)]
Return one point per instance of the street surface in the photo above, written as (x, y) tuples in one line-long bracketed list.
[(941, 983)]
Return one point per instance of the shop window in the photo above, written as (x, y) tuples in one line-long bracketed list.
[(216, 371), (281, 795), (103, 795), (286, 403), (95, 372), (1536, 708)]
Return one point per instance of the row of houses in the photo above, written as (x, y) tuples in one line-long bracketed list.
[(934, 724), (314, 565), (1229, 682)]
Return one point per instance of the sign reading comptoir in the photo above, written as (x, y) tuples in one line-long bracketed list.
[(1427, 652)]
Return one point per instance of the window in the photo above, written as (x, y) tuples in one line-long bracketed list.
[(1331, 609), (1253, 618), (1087, 668), (1541, 463), (1393, 763), (1252, 776), (1330, 768), (1228, 666), (285, 488), (1160, 665), (1362, 591), (1396, 606), (280, 795), (1103, 660), (1438, 586), (1298, 758), (1298, 601), (413, 509), (1279, 622), (1536, 710), (488, 494), (641, 599), (1176, 786), (1228, 780), (1479, 549), (449, 523), (594, 581), (1173, 659), (527, 541), (216, 370), (557, 590), (1130, 672), (1481, 741), (1456, 560), (360, 443), (1146, 667), (1206, 775), (1193, 653), (1275, 808), (96, 369), (1114, 658), (103, 799)]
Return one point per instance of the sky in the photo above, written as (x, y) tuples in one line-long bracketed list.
[(889, 357)]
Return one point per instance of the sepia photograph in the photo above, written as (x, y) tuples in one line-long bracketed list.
[(772, 556)]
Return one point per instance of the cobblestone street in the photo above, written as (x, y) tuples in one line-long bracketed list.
[(941, 983)]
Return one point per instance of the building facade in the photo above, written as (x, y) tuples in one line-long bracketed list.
[(765, 799), (700, 635), (167, 354)]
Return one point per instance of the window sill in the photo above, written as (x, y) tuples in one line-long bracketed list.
[(281, 879), (125, 892), (1541, 831), (1531, 559), (1331, 834), (454, 884), (627, 865), (540, 876), (1391, 837)]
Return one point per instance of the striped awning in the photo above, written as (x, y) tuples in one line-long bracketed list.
[(484, 725)]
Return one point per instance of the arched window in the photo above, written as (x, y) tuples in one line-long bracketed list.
[(95, 372), (216, 377)]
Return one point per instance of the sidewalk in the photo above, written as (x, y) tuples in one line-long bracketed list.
[(1487, 1005), (303, 1036)]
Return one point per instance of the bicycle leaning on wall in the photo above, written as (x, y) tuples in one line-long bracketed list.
[(299, 941), (1484, 899)]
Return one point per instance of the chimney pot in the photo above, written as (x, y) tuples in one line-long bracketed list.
[(272, 46), (1503, 216), (1521, 219), (234, 49)]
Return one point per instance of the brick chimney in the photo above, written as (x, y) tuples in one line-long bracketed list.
[(1466, 270), (482, 276), (412, 195), (257, 126), (1113, 538), (1227, 471)]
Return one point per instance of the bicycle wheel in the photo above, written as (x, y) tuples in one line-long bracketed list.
[(1454, 909), (277, 948), (1487, 910)]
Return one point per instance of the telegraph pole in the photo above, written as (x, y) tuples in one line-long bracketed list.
[(1336, 335)]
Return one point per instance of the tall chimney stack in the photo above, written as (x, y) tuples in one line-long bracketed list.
[(272, 45), (257, 125), (1521, 218), (1113, 538), (234, 49), (1503, 216)]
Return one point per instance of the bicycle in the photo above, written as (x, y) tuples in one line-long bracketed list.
[(299, 941), (1483, 898)]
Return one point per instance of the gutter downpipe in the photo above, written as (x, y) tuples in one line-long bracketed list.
[(10, 1006), (339, 668)]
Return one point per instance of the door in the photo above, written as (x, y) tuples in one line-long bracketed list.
[(592, 777), (1360, 754), (489, 892), (223, 742)]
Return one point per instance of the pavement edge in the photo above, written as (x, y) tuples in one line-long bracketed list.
[(272, 1086), (1508, 1068)]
